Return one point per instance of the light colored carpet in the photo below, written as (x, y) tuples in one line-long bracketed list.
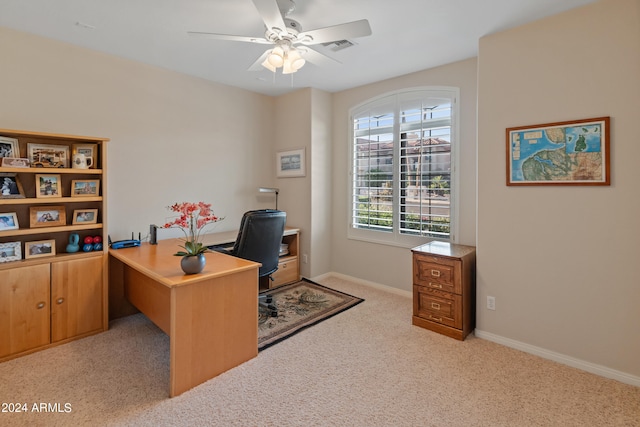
[(367, 366)]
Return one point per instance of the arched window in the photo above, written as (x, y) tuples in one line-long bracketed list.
[(403, 183)]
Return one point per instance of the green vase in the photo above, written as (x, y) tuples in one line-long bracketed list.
[(193, 264)]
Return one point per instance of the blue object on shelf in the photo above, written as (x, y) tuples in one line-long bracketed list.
[(73, 245)]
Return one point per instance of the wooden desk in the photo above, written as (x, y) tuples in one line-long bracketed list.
[(211, 318)]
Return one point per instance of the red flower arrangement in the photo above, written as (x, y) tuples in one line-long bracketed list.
[(194, 217)]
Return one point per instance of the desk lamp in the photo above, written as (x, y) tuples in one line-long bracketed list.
[(270, 190)]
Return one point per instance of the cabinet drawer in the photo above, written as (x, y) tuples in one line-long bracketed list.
[(437, 273), (287, 272), (437, 306)]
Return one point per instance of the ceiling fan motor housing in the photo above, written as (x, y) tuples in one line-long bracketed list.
[(290, 33)]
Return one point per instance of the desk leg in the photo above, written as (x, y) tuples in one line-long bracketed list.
[(214, 327)]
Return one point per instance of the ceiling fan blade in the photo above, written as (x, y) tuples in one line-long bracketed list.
[(270, 14), (316, 57), (257, 66), (230, 37), (349, 30)]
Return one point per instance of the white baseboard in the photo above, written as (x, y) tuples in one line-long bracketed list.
[(603, 371), (600, 370)]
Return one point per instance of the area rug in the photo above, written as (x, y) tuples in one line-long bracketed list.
[(299, 305)]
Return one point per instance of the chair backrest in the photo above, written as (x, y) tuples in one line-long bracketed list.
[(259, 238)]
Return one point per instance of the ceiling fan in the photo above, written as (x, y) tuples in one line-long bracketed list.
[(291, 49)]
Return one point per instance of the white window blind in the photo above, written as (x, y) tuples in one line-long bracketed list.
[(402, 164)]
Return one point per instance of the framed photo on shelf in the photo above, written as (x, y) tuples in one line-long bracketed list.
[(48, 155), (562, 153), (9, 147), (10, 251), (89, 151), (47, 216), (10, 187), (9, 221), (290, 163), (40, 248), (85, 187), (48, 185), (85, 216), (14, 162)]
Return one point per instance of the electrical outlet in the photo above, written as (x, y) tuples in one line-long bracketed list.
[(305, 258), (491, 303)]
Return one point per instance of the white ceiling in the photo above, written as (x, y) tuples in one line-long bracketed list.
[(408, 35)]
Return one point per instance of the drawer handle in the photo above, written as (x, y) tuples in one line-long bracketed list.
[(435, 273), (435, 306), (60, 300), (284, 265), (40, 305), (438, 319), (435, 285)]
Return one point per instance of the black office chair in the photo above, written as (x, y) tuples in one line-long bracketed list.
[(259, 240)]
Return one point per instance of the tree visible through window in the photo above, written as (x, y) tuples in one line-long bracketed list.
[(402, 164)]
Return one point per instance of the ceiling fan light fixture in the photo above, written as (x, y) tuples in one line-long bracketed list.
[(287, 68), (296, 60), (276, 57), (286, 34), (268, 66)]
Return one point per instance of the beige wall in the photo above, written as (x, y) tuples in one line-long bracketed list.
[(303, 120), (562, 262), (566, 283), (390, 265), (319, 254), (293, 131), (173, 137)]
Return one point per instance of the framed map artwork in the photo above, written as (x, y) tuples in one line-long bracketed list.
[(563, 153)]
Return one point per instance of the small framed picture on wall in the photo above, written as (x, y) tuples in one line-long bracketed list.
[(290, 163)]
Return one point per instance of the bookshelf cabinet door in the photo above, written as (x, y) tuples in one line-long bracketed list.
[(76, 297), (24, 309)]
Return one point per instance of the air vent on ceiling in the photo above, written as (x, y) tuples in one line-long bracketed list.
[(339, 45)]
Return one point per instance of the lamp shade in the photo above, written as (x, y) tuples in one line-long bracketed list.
[(296, 60), (276, 57), (268, 66), (270, 190), (286, 56), (287, 68)]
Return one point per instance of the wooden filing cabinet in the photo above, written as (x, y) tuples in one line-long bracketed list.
[(444, 288)]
